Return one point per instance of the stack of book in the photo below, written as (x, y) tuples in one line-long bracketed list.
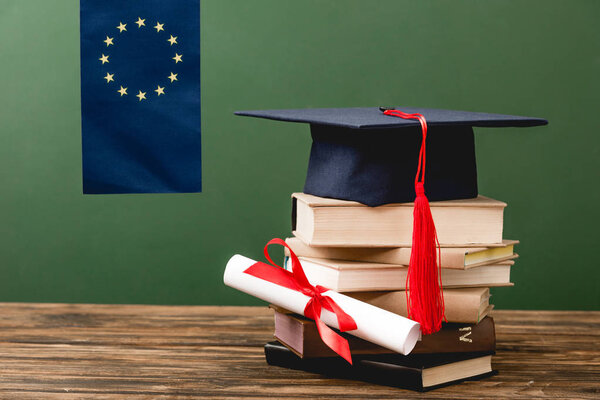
[(364, 252)]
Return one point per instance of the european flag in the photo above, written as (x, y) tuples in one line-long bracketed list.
[(140, 96)]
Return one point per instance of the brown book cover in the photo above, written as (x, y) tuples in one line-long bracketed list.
[(300, 335)]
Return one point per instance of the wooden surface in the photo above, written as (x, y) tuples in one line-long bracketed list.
[(57, 351)]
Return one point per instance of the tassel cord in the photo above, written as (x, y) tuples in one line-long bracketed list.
[(424, 296)]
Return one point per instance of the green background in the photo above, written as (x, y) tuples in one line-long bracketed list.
[(535, 58)]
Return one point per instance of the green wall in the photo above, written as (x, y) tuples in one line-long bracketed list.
[(535, 58)]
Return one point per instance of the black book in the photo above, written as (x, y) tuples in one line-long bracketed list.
[(420, 372)]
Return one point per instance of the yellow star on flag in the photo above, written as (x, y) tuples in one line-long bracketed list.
[(172, 77), (141, 95), (172, 40), (104, 59), (121, 27), (109, 77), (123, 91), (140, 22), (159, 27), (108, 41), (159, 90), (177, 58)]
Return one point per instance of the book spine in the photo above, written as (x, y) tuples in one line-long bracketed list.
[(460, 338)]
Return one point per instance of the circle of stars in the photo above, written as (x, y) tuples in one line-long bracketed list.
[(105, 59)]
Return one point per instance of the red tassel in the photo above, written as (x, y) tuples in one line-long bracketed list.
[(424, 294), (423, 282)]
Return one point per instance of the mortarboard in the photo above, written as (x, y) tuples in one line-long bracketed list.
[(378, 155), (362, 155)]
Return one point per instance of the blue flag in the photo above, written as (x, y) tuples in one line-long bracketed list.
[(140, 96)]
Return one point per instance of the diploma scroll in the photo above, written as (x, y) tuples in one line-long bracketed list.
[(375, 325)]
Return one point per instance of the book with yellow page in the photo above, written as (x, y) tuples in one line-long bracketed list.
[(451, 257)]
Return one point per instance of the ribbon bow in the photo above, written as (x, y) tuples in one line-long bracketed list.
[(296, 280)]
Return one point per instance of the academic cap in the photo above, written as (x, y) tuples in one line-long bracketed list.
[(362, 155)]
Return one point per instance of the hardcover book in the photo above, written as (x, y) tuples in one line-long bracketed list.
[(452, 257), (300, 335), (319, 221), (464, 305), (420, 372), (353, 276)]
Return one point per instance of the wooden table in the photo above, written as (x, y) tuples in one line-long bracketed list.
[(58, 351)]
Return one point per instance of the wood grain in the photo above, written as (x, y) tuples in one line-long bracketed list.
[(78, 351)]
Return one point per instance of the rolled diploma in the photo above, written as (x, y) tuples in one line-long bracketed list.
[(375, 325)]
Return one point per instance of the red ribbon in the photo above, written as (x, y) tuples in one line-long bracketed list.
[(296, 280)]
